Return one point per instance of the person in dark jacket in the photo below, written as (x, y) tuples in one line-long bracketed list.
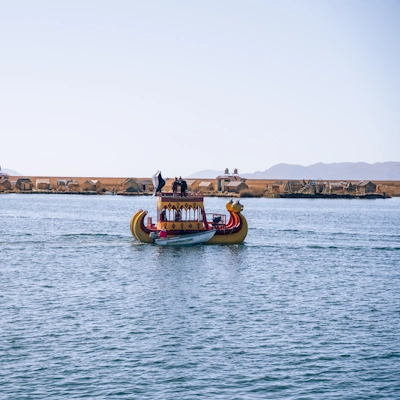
[(183, 187), (175, 186)]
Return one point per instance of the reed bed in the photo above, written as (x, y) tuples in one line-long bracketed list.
[(252, 192)]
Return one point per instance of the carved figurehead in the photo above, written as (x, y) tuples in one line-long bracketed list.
[(235, 207), (229, 205)]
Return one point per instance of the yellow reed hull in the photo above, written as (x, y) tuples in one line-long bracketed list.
[(233, 238)]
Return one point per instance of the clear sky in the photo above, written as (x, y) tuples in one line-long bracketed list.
[(124, 87)]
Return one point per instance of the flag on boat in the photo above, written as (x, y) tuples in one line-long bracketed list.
[(158, 182)]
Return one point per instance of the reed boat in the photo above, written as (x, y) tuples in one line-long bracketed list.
[(183, 214)]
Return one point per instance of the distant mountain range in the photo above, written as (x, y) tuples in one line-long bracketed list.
[(206, 174), (386, 171), (11, 172)]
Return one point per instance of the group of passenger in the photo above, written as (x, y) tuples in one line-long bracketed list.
[(163, 216), (183, 185)]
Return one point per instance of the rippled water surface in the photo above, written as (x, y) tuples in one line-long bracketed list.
[(307, 308)]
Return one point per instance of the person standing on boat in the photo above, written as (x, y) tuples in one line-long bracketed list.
[(183, 187), (163, 233), (175, 186), (163, 216)]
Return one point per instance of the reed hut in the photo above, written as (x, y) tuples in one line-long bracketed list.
[(146, 185), (24, 184), (274, 188), (42, 184), (73, 186), (100, 188), (205, 187), (130, 185), (366, 187), (236, 187), (88, 186), (293, 186), (335, 187), (61, 183), (5, 184), (350, 188), (61, 186), (224, 180), (192, 185), (320, 186)]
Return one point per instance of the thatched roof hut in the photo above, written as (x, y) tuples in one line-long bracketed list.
[(24, 184), (205, 186), (274, 188), (5, 184), (293, 186), (130, 185), (61, 182), (61, 185), (88, 186), (236, 187), (350, 187), (73, 186), (42, 184), (224, 180), (99, 186), (366, 187), (192, 184), (146, 185), (335, 187)]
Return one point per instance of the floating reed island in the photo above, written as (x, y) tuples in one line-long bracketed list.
[(227, 185)]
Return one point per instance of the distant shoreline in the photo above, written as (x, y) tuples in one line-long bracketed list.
[(269, 188)]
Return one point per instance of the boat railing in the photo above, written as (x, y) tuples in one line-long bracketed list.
[(218, 221), (149, 223), (178, 194)]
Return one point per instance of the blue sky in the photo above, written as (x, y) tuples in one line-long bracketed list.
[(124, 88)]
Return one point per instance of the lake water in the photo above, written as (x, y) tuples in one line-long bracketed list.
[(307, 308)]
